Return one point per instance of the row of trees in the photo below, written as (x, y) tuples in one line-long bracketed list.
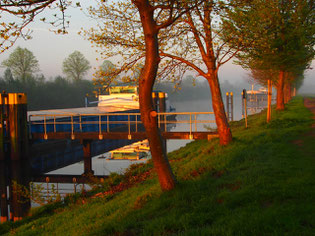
[(47, 94), (173, 36), (23, 64), (280, 41)]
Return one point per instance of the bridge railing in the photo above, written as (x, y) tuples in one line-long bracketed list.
[(115, 122)]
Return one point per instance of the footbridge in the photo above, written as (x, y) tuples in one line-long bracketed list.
[(99, 126)]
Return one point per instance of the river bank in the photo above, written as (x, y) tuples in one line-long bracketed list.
[(263, 183)]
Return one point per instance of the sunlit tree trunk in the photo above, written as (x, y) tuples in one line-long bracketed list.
[(147, 78), (280, 94), (218, 109)]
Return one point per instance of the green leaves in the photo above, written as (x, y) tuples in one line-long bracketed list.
[(75, 66)]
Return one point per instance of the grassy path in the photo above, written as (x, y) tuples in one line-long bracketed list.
[(309, 103)]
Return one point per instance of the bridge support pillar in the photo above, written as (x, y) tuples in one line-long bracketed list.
[(87, 157)]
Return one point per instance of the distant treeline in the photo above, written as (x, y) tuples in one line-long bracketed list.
[(46, 94), (62, 93)]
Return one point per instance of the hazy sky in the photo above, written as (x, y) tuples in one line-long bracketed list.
[(51, 49)]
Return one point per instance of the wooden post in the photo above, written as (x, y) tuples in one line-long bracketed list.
[(4, 209), (245, 105), (242, 104), (17, 118), (232, 107), (87, 157), (162, 108), (155, 100), (228, 106), (20, 204), (269, 101), (2, 128)]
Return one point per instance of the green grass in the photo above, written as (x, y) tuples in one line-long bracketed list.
[(261, 184)]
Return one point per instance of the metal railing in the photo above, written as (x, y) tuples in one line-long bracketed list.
[(111, 122)]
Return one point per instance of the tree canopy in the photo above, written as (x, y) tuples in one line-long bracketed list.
[(191, 42), (104, 77), (75, 66), (22, 63), (279, 36)]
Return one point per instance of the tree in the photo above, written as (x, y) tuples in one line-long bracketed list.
[(200, 48), (191, 42), (279, 36), (22, 63), (104, 77), (8, 77), (76, 66)]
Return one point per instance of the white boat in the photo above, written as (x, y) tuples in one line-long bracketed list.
[(120, 98), (135, 151)]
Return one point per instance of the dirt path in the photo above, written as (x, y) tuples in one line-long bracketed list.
[(310, 104)]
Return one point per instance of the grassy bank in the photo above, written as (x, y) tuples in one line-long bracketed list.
[(263, 183)]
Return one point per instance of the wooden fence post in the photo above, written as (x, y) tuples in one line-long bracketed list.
[(245, 105), (269, 101)]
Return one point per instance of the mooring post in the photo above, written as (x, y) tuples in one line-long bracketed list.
[(232, 106), (155, 100), (245, 105), (242, 99), (14, 116), (3, 109), (20, 202), (17, 118), (269, 101), (162, 108), (228, 106), (87, 157), (4, 209)]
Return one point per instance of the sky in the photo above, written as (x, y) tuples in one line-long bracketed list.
[(51, 49)]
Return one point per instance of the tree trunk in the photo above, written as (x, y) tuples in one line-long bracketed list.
[(290, 92), (224, 130), (280, 94), (148, 115), (287, 92)]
